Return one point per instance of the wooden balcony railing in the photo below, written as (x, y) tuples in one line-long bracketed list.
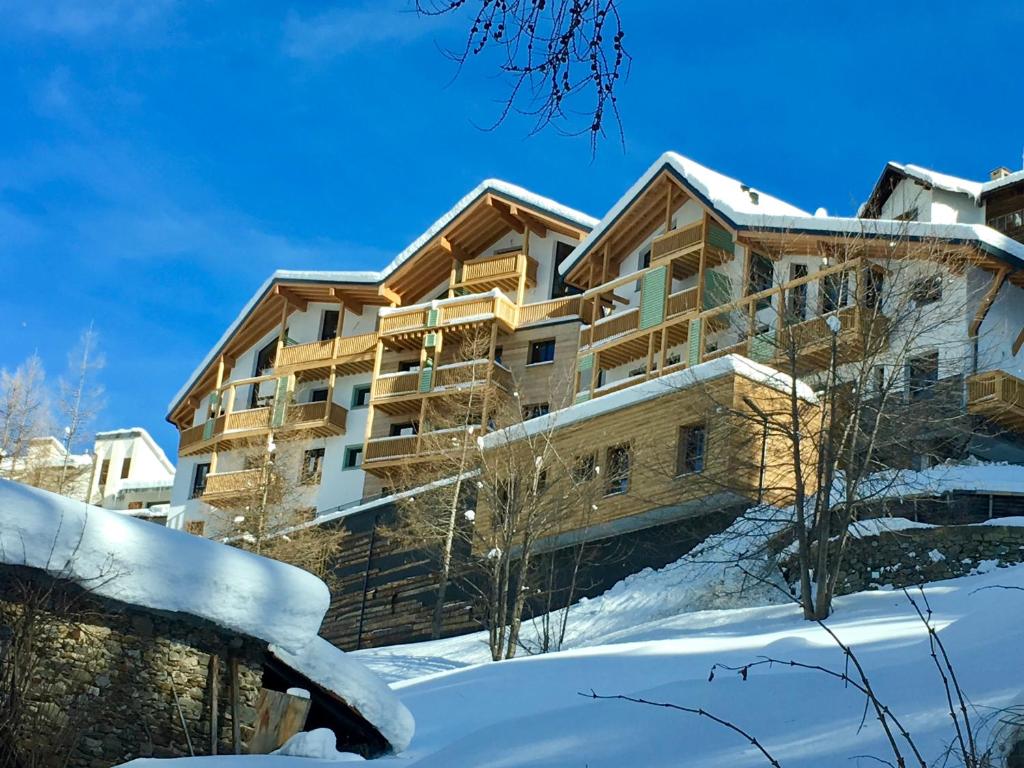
[(320, 419), (502, 271), (345, 349), (613, 325), (460, 310), (677, 240), (225, 485), (389, 448), (394, 384), (681, 302), (567, 306), (999, 396), (470, 373)]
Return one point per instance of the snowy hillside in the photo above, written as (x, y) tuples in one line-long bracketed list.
[(528, 712)]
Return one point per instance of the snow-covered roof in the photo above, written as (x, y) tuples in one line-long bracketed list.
[(369, 277), (342, 676), (732, 198), (649, 390), (143, 434), (973, 189), (136, 562), (144, 485)]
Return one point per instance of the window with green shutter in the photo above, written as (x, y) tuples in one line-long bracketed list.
[(652, 297), (693, 342)]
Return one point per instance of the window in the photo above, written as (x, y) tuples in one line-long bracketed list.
[(534, 410), (264, 362), (834, 292), (927, 290), (199, 480), (195, 527), (134, 505), (796, 297), (329, 324), (312, 464), (643, 262), (408, 366), (558, 286), (542, 351), (922, 374), (760, 278), (908, 215), (360, 395), (402, 430), (353, 457), (318, 395), (873, 283), (585, 468), (497, 353), (618, 470), (878, 375), (542, 481), (690, 449), (126, 466), (104, 471)]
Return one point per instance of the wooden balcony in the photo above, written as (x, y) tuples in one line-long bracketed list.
[(999, 397), (542, 311), (312, 361), (683, 248), (382, 455), (861, 330), (397, 393), (403, 327), (502, 271), (223, 488), (301, 421)]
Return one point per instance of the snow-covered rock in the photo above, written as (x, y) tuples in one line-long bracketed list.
[(320, 744), (136, 562)]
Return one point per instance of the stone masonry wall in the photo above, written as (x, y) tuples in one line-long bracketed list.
[(909, 557), (104, 688)]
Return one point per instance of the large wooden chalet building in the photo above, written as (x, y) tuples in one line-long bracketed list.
[(581, 317)]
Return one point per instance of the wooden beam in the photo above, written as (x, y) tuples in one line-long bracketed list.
[(390, 295), (532, 222), (1018, 342), (986, 302), (342, 297), (214, 689), (505, 214), (291, 297), (236, 707)]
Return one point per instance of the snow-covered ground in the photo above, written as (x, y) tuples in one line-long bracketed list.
[(528, 711)]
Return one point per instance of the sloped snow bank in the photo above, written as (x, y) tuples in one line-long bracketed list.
[(320, 743), (136, 562), (349, 680)]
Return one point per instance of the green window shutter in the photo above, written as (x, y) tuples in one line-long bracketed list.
[(430, 340), (585, 363), (652, 297), (280, 402), (693, 342), (717, 289), (762, 346), (212, 411), (719, 238), (582, 397), (208, 429), (426, 377), (431, 318)]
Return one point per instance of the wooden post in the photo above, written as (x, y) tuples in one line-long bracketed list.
[(236, 707), (452, 277), (339, 328), (490, 370), (522, 262), (229, 405), (668, 205), (331, 379), (664, 351), (214, 688), (650, 354), (281, 333), (373, 378), (595, 369)]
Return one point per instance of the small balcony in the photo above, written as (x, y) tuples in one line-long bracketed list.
[(403, 327), (503, 271), (683, 248), (999, 397), (383, 454), (300, 421), (225, 488), (312, 361), (397, 393)]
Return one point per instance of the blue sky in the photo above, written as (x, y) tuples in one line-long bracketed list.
[(158, 159)]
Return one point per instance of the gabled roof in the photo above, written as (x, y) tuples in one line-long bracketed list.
[(368, 283), (142, 434), (732, 202), (895, 172)]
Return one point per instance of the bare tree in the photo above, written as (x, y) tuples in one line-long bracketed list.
[(23, 407), (81, 396), (886, 373), (563, 60)]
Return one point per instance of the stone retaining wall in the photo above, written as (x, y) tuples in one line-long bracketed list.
[(910, 557), (107, 675)]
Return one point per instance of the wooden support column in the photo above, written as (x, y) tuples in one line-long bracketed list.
[(452, 277), (650, 354), (522, 261), (229, 405), (281, 331), (331, 380), (214, 690), (1018, 342), (604, 263), (670, 188), (663, 356), (490, 370), (339, 328), (378, 353), (595, 369), (236, 707), (219, 382)]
